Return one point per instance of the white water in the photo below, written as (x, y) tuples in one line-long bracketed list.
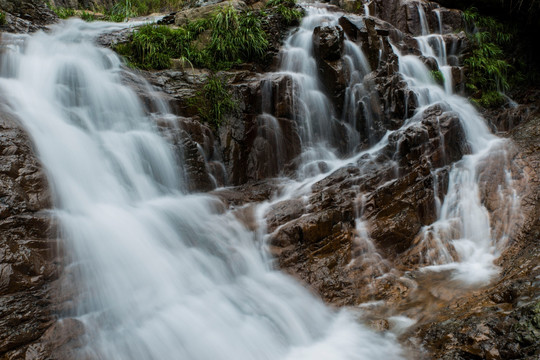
[(463, 239), (162, 274), (464, 225)]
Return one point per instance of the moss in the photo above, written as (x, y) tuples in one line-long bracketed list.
[(437, 76), (214, 101)]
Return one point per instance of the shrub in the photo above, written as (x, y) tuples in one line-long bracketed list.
[(214, 100), (437, 76), (488, 69)]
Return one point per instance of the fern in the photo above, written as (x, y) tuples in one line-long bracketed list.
[(488, 69)]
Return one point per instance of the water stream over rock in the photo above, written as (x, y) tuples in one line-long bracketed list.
[(162, 274)]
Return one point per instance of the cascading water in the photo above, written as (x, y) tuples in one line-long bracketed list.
[(162, 274), (463, 239)]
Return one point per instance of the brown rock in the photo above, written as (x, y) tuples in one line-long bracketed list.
[(28, 264), (328, 42)]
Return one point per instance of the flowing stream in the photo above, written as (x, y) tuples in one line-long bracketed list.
[(162, 274)]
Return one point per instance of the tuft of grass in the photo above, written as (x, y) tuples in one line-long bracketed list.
[(214, 101), (87, 16), (235, 37), (125, 9), (2, 19), (286, 9), (62, 12), (488, 69)]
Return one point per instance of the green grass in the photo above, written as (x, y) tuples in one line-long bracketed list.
[(214, 101), (130, 8), (287, 9), (235, 37), (87, 16), (62, 12), (2, 19), (489, 71)]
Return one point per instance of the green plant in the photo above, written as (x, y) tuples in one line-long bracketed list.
[(236, 37), (87, 16), (287, 9), (231, 37), (488, 69), (2, 19), (129, 8), (437, 76), (62, 12), (214, 100), (109, 16), (152, 46), (123, 9)]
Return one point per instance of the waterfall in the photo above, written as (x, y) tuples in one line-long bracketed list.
[(161, 274), (463, 239)]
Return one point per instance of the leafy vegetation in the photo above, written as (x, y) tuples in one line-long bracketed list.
[(232, 37), (236, 37), (287, 9), (2, 19), (488, 69), (437, 76), (62, 12), (87, 16), (131, 8), (214, 100)]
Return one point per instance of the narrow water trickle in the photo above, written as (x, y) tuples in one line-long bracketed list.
[(162, 274)]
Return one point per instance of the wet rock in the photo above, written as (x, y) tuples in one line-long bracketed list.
[(252, 192), (328, 42), (28, 262), (405, 16), (26, 15), (439, 138)]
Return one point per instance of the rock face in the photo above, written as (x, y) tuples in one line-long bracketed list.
[(29, 263), (26, 15), (501, 321)]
